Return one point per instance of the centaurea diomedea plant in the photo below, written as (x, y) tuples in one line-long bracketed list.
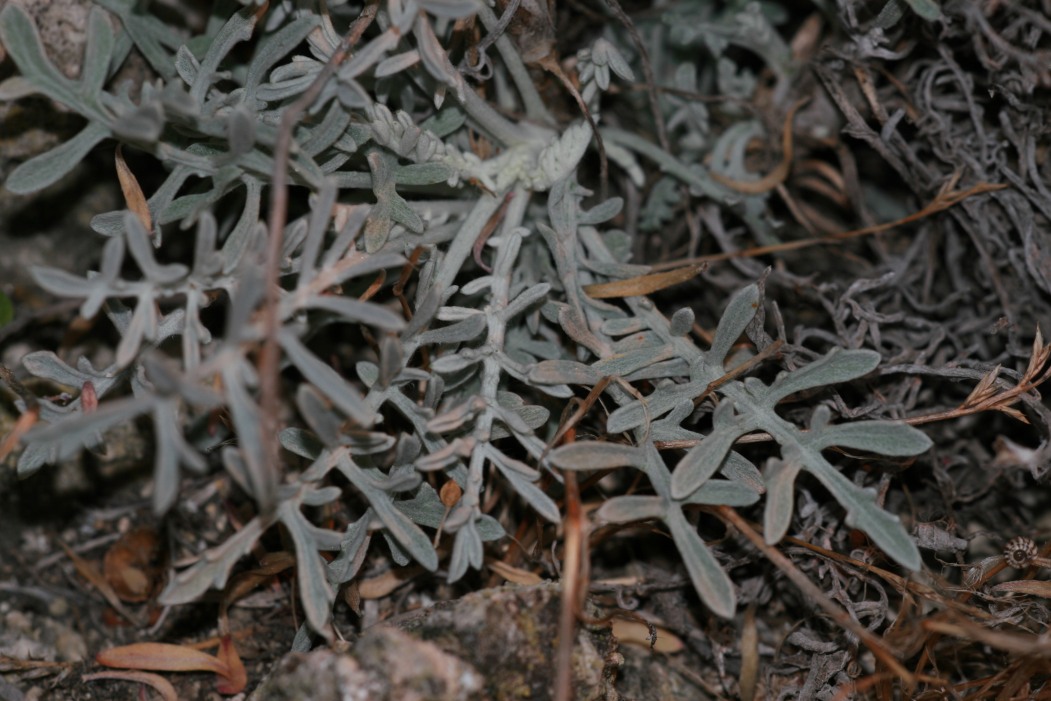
[(445, 234)]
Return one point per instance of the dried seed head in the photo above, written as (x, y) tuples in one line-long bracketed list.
[(1020, 552)]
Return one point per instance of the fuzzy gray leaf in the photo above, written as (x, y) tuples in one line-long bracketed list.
[(97, 52), (354, 310), (213, 568), (635, 414), (838, 366), (322, 376), (718, 492), (523, 478), (45, 169), (352, 550), (739, 312), (247, 420), (780, 498), (314, 591), (20, 38), (467, 551), (398, 525), (595, 455), (681, 322), (557, 372), (712, 583), (883, 437), (630, 508), (702, 461), (462, 331)]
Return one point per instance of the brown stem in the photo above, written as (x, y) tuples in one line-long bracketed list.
[(269, 357)]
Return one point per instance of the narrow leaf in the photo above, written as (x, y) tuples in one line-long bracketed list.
[(314, 590), (656, 405), (214, 566), (45, 169), (557, 372), (595, 455), (718, 492), (322, 376), (398, 525), (357, 311), (97, 53), (629, 508), (780, 498), (702, 461), (711, 582)]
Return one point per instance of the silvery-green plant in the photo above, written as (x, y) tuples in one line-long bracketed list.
[(462, 378)]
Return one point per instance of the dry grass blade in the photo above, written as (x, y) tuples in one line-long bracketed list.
[(1026, 644), (1032, 587)]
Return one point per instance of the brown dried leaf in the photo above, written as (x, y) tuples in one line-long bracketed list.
[(238, 677), (641, 284), (164, 657), (382, 585), (162, 685), (25, 422), (133, 196), (634, 632), (132, 565), (269, 565), (514, 575), (89, 572)]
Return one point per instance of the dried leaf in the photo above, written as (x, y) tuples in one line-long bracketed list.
[(514, 575), (162, 685), (642, 284), (652, 637), (162, 657), (237, 679), (133, 196), (89, 572), (132, 565)]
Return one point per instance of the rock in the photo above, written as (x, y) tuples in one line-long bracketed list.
[(491, 644), (385, 665)]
